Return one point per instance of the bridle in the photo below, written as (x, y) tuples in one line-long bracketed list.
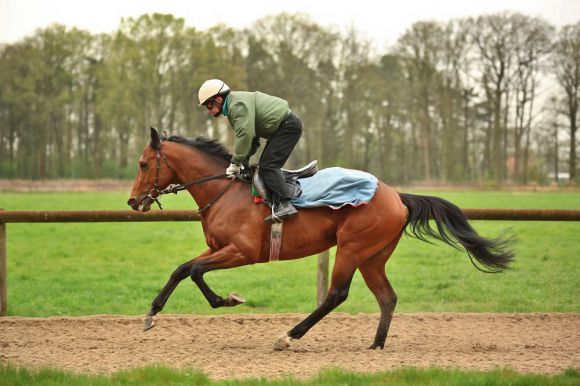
[(155, 193)]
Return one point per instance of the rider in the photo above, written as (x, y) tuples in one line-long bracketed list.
[(255, 115)]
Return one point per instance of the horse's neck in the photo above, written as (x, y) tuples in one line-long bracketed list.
[(192, 168)]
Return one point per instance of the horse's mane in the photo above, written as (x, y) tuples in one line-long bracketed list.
[(208, 146)]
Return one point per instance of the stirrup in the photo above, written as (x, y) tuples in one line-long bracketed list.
[(274, 218)]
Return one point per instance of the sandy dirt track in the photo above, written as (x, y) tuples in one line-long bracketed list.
[(240, 346)]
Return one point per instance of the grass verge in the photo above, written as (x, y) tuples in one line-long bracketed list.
[(333, 377)]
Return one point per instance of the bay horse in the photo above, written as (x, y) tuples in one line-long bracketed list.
[(236, 234)]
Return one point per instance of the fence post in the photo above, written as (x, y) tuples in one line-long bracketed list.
[(3, 271), (322, 277)]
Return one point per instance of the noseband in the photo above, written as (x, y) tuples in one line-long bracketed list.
[(155, 193)]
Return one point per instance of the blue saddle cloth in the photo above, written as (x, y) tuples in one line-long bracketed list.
[(336, 187)]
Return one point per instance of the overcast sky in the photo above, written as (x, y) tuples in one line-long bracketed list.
[(381, 20)]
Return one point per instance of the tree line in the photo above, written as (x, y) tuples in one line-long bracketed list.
[(488, 98)]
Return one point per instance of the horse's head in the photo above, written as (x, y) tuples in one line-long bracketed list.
[(154, 175)]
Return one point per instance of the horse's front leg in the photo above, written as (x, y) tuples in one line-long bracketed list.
[(183, 271), (228, 257)]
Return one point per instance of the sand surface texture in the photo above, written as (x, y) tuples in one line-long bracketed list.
[(240, 346)]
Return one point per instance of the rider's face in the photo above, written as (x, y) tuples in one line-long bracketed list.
[(214, 106)]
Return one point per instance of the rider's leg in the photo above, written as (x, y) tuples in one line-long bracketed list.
[(275, 154)]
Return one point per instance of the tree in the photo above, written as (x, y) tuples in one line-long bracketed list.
[(493, 36), (18, 98), (532, 37), (566, 62), (356, 91), (41, 77), (454, 100), (392, 119), (420, 48)]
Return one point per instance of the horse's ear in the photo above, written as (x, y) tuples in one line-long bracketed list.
[(155, 141), (164, 135)]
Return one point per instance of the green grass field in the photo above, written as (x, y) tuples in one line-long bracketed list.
[(118, 268), (162, 376)]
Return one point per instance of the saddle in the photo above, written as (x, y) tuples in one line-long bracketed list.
[(291, 177), (261, 192)]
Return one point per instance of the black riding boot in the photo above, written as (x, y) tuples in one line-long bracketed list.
[(281, 211)]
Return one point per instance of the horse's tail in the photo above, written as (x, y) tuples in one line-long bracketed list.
[(453, 229)]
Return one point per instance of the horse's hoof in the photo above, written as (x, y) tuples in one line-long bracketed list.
[(282, 343), (234, 299), (148, 323), (375, 346)]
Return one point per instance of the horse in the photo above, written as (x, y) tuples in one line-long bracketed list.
[(236, 234)]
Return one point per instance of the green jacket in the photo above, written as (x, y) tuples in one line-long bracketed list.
[(253, 115)]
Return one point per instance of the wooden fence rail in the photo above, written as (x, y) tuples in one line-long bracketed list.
[(191, 215)]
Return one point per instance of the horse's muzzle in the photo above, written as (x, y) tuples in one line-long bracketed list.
[(141, 203), (132, 202)]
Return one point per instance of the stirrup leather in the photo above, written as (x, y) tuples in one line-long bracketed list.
[(275, 240)]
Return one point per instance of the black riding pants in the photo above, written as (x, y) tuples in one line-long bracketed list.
[(276, 153)]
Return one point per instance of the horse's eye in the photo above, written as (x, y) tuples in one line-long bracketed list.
[(143, 165)]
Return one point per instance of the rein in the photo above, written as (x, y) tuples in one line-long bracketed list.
[(155, 193)]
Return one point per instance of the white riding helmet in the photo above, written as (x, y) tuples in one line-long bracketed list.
[(211, 88)]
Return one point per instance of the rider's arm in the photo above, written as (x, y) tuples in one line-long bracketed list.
[(244, 121)]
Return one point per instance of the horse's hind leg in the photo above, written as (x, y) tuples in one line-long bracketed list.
[(373, 271), (342, 273)]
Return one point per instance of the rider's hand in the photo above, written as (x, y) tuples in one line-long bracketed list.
[(233, 169)]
